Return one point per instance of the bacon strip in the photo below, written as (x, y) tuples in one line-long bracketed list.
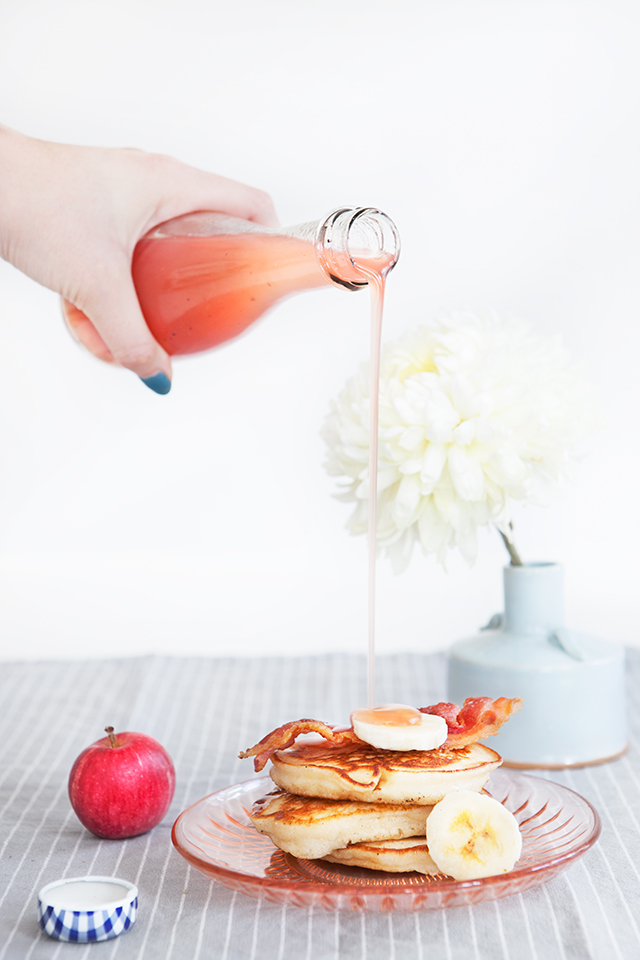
[(478, 717), (284, 736)]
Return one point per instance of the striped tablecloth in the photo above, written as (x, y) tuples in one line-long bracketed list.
[(204, 711)]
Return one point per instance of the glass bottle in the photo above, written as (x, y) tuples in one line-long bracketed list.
[(203, 278)]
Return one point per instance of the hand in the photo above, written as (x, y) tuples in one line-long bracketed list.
[(71, 216)]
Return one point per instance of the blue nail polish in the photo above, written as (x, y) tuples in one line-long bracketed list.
[(159, 383)]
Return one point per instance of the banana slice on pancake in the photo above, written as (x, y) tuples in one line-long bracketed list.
[(399, 727), (470, 836)]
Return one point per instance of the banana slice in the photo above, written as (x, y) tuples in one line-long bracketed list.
[(398, 727), (471, 835)]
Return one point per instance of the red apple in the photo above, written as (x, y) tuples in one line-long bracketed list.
[(122, 785)]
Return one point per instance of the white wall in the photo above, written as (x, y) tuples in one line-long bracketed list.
[(502, 137)]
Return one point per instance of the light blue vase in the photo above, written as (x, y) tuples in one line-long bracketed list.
[(572, 685)]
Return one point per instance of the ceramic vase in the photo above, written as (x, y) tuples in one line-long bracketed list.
[(572, 685)]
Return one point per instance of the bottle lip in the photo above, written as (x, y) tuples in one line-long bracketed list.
[(342, 221)]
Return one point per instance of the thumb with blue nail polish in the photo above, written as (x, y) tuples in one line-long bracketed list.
[(159, 382)]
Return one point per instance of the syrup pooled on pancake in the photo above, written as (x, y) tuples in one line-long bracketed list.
[(362, 772)]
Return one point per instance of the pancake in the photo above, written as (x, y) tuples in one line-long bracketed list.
[(312, 828), (391, 856), (363, 773)]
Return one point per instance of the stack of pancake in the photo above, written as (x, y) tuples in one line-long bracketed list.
[(354, 803)]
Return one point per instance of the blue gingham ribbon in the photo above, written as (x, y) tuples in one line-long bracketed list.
[(86, 926)]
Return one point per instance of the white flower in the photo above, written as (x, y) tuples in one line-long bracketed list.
[(474, 414)]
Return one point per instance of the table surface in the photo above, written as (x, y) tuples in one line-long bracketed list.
[(204, 711)]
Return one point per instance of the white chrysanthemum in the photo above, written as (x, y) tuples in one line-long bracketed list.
[(474, 414)]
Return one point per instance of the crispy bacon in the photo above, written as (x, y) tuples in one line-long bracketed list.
[(478, 717), (284, 736)]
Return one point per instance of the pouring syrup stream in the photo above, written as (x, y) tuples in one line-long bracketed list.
[(376, 278)]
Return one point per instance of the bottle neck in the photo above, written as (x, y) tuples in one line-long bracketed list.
[(353, 243), (534, 598)]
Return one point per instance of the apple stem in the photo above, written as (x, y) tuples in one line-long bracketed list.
[(112, 739)]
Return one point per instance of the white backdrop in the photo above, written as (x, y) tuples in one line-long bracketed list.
[(502, 138)]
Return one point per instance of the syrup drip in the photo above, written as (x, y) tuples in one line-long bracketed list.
[(376, 278)]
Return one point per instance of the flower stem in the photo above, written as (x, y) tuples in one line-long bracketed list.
[(513, 553)]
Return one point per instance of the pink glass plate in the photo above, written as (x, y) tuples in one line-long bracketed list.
[(217, 837)]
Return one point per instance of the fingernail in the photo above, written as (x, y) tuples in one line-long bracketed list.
[(159, 383)]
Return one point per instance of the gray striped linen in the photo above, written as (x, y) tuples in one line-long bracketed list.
[(204, 711)]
